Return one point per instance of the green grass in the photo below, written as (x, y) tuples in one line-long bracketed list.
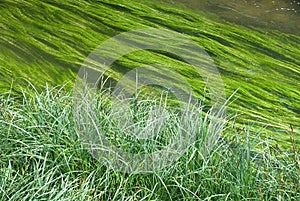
[(42, 158), (47, 41)]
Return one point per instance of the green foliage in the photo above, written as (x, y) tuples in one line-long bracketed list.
[(47, 41), (42, 158)]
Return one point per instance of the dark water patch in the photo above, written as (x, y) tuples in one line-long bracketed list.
[(283, 15)]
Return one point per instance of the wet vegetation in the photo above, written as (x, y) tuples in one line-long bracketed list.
[(40, 154)]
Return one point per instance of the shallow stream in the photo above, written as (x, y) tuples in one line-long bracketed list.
[(283, 15), (255, 45)]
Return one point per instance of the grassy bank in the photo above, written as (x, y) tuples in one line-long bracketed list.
[(42, 158)]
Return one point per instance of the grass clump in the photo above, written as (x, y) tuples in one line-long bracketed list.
[(42, 158)]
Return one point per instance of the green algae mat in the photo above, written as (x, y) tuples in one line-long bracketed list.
[(47, 41)]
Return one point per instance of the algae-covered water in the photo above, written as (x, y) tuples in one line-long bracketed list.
[(47, 41)]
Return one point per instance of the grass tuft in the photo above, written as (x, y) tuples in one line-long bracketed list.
[(42, 158)]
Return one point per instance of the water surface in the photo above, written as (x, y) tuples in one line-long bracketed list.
[(283, 15), (47, 41)]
